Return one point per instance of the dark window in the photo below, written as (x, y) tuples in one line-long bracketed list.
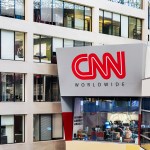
[(12, 87), (116, 24)]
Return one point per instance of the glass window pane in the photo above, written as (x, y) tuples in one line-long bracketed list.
[(68, 15), (19, 9), (18, 129), (7, 8), (88, 19), (79, 17), (36, 127), (145, 124), (46, 127), (19, 87), (146, 103), (57, 43), (132, 28), (145, 143), (116, 24), (107, 27), (46, 11), (7, 82), (68, 43), (37, 10), (55, 89), (19, 46), (78, 43), (45, 49), (47, 86), (139, 29), (7, 50), (100, 21), (57, 126), (124, 26), (149, 16), (36, 48), (38, 87), (7, 123), (57, 12), (88, 44)]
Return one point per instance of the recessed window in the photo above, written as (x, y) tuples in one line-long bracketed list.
[(12, 87), (15, 49), (12, 129), (47, 127)]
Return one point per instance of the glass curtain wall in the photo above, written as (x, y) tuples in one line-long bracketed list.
[(116, 24), (12, 87), (88, 19)]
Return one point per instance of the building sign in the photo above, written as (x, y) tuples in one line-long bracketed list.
[(113, 70)]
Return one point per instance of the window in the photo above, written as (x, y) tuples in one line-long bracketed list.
[(116, 24), (15, 49), (46, 11), (88, 19), (12, 129), (135, 28), (78, 43), (62, 13), (148, 15), (12, 87), (107, 27), (68, 43), (58, 12), (46, 88), (42, 49), (47, 127), (124, 26), (68, 15), (79, 17), (100, 21), (13, 8)]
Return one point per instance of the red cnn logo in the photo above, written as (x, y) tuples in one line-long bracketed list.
[(104, 67)]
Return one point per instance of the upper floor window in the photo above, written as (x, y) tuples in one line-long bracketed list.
[(13, 8), (12, 129), (149, 15), (119, 25), (61, 13), (46, 88), (15, 49), (45, 47), (131, 3), (11, 87), (47, 127)]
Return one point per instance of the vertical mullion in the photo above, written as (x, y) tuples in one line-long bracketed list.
[(24, 46), (120, 27), (14, 43), (40, 49), (14, 88), (52, 11), (111, 23), (0, 130), (23, 82)]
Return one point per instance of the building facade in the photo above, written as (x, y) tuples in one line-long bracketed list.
[(30, 32)]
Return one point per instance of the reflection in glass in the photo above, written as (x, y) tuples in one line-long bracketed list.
[(100, 21), (37, 11), (132, 28), (78, 43), (79, 17), (116, 24), (58, 12), (19, 46), (88, 19), (36, 48), (107, 26), (45, 49), (7, 8), (7, 85), (46, 11), (19, 9), (68, 43), (68, 15), (139, 29)]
